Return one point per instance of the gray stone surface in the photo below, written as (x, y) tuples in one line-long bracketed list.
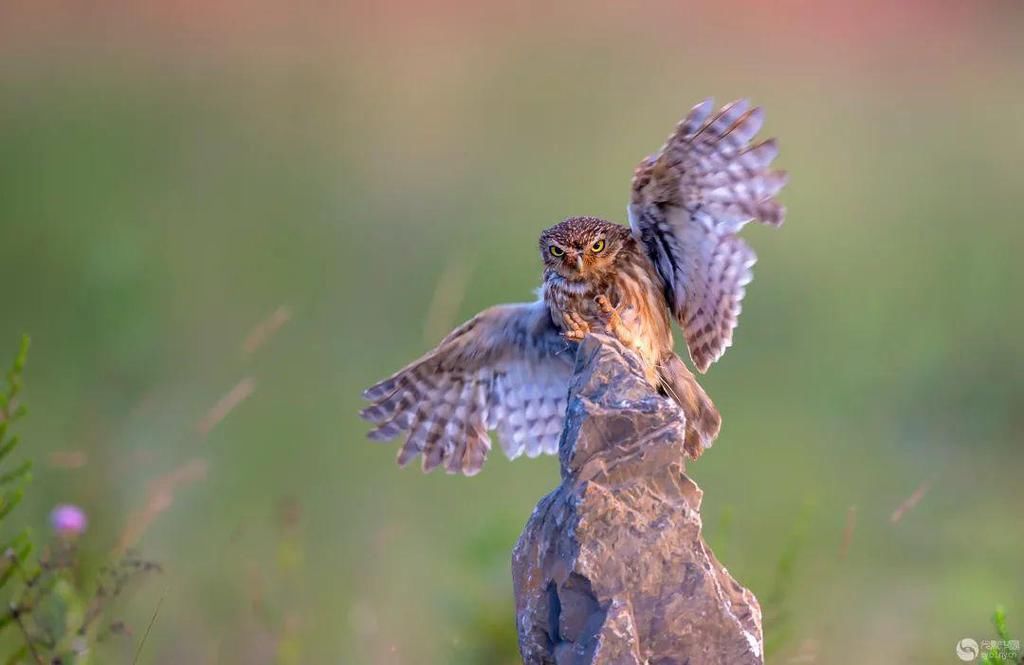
[(611, 567)]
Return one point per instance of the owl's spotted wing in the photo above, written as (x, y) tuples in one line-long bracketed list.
[(507, 369), (688, 203)]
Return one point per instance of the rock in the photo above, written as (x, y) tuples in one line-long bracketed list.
[(611, 568)]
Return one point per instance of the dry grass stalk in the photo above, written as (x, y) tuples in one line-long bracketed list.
[(911, 501), (448, 295), (159, 498), (851, 524), (265, 330), (68, 459), (226, 404)]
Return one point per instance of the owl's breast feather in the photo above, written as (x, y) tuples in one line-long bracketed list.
[(637, 296)]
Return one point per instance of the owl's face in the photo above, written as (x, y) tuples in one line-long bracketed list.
[(582, 248)]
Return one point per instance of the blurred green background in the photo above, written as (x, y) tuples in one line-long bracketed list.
[(172, 174)]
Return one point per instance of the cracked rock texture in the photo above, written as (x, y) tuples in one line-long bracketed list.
[(611, 567)]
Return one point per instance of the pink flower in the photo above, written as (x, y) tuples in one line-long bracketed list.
[(68, 520)]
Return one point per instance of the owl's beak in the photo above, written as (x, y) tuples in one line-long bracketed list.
[(579, 264)]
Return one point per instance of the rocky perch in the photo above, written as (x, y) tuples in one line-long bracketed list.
[(611, 567)]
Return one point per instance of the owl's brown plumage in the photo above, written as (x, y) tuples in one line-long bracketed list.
[(508, 368), (604, 280)]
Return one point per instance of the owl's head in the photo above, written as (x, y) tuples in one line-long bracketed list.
[(582, 248)]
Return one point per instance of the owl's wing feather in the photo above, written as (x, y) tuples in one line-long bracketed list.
[(688, 203), (506, 369)]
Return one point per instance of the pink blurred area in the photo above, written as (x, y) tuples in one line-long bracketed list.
[(874, 32)]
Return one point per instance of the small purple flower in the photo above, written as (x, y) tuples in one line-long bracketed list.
[(68, 520)]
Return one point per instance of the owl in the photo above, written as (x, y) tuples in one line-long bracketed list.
[(508, 368)]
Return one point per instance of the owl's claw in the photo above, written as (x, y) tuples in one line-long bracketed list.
[(613, 322), (576, 328), (611, 315), (605, 304)]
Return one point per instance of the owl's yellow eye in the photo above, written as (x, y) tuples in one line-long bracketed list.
[(597, 246), (556, 250)]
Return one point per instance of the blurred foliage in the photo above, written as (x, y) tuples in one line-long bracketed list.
[(172, 179), (52, 615), (482, 608), (776, 604), (12, 480), (16, 550), (1005, 655)]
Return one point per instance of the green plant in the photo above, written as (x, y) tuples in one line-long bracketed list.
[(778, 626), (1004, 656), (54, 618), (16, 550)]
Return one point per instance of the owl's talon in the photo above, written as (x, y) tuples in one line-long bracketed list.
[(576, 328), (612, 320), (610, 314)]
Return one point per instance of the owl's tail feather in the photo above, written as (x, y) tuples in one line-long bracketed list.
[(702, 418)]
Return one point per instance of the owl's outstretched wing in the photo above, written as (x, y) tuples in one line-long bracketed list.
[(688, 203), (506, 369)]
